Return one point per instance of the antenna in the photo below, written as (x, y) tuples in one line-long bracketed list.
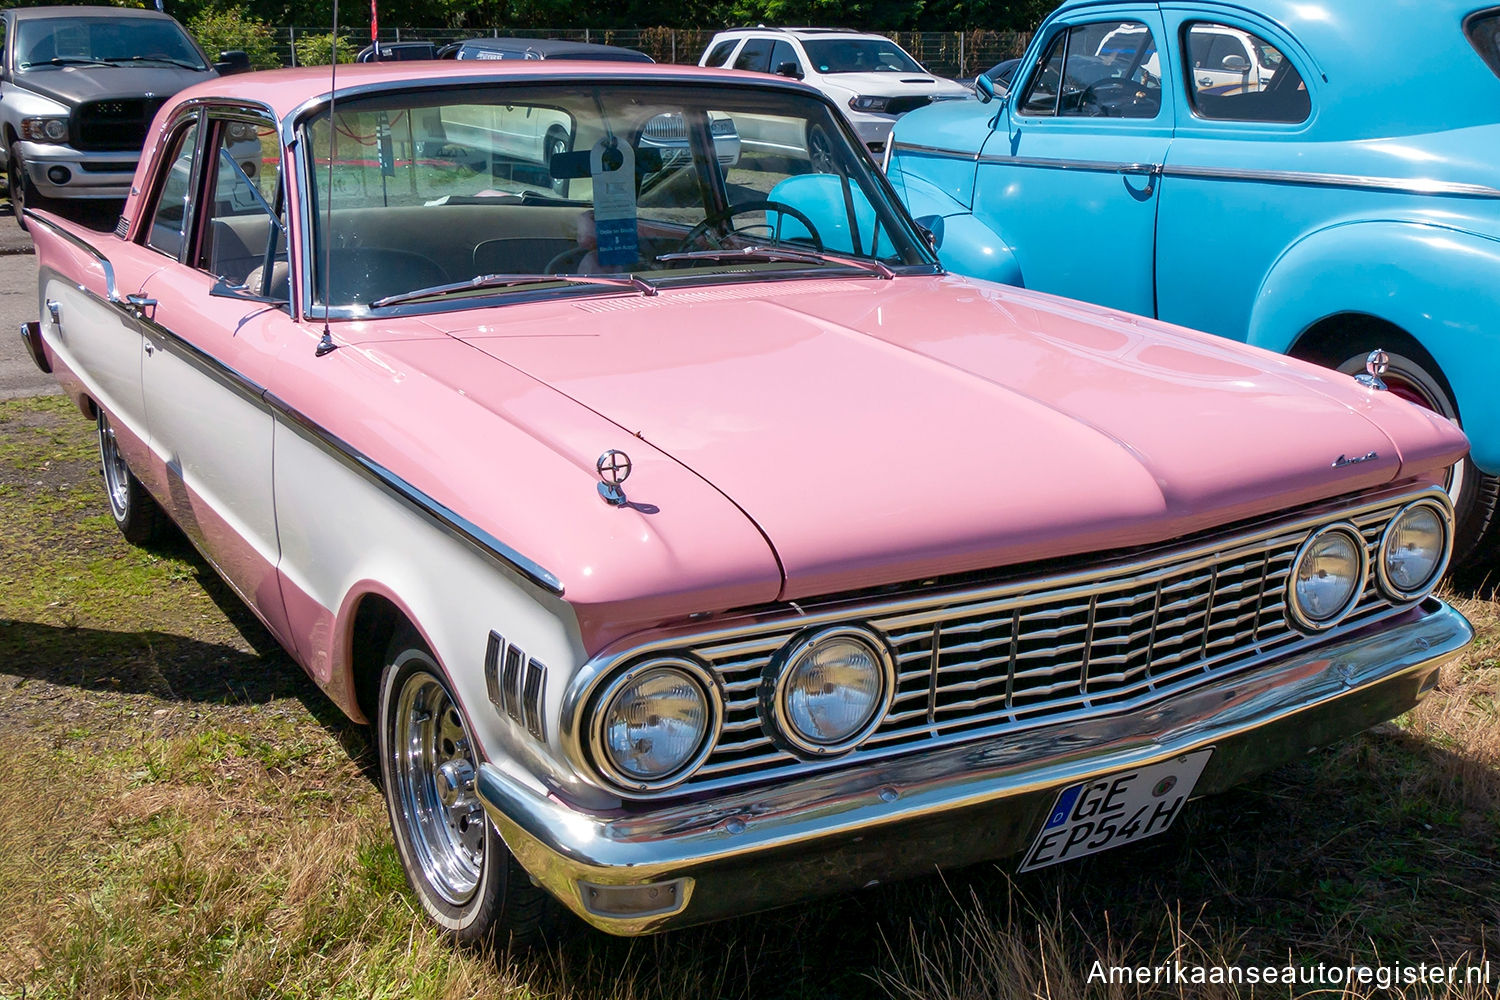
[(325, 343)]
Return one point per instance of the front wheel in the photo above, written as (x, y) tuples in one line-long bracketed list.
[(463, 874), (134, 510), (21, 192), (1475, 495)]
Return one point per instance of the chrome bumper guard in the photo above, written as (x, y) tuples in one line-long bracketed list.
[(632, 872), (31, 336)]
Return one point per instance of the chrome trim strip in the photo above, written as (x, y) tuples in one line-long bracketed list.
[(205, 363), (442, 515), (1086, 166), (917, 147), (110, 288), (905, 815), (753, 630), (1400, 185)]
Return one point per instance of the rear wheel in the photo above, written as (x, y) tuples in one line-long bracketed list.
[(135, 511), (1475, 495), (463, 874)]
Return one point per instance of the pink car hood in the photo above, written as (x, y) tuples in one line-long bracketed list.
[(882, 431)]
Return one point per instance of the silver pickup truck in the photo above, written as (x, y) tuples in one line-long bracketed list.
[(78, 89)]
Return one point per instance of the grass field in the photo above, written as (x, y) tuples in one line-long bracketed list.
[(183, 814)]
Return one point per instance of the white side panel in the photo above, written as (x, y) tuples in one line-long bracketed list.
[(339, 528), (100, 344)]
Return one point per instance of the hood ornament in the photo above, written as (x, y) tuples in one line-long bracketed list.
[(1376, 364), (613, 468)]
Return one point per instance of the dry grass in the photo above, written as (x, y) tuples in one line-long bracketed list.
[(183, 815)]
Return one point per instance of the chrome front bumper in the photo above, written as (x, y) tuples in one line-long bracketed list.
[(837, 831), (90, 175)]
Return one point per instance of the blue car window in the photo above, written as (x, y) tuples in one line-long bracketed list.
[(1110, 70), (1235, 75)]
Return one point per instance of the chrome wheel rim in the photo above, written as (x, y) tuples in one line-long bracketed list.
[(116, 472), (434, 776)]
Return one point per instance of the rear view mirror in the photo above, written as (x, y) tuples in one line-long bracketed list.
[(789, 69), (1235, 63), (985, 88)]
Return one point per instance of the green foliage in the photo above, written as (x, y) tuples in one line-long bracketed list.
[(313, 50), (217, 30)]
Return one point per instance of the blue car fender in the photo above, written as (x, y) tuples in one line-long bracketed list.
[(967, 245), (1408, 274)]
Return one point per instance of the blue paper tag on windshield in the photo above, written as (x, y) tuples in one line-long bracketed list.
[(618, 244)]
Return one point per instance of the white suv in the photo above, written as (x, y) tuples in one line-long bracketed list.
[(869, 77)]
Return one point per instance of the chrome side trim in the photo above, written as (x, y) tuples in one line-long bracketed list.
[(1401, 185), (917, 147), (751, 635), (440, 514), (205, 363), (110, 288)]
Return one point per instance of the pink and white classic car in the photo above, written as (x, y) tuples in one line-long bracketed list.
[(692, 542)]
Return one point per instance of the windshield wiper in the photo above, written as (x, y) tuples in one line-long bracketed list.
[(116, 60), (67, 61), (787, 254), (506, 280)]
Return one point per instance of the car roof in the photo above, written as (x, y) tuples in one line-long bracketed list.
[(38, 13), (553, 48), (805, 32)]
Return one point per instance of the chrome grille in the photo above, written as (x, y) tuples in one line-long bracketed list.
[(1064, 647), (666, 126)]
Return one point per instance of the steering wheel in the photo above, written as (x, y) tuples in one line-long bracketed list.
[(759, 205)]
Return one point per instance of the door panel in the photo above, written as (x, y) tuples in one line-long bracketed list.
[(1069, 176)]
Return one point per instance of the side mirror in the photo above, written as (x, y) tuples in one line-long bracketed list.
[(1236, 64), (931, 228), (984, 87), (789, 69), (232, 61)]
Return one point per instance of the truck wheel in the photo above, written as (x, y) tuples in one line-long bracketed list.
[(556, 145), (1475, 495), (463, 874), (135, 511), (21, 191)]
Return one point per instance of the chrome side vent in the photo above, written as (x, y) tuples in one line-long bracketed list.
[(122, 228), (517, 684)]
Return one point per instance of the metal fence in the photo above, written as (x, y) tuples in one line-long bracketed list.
[(946, 53)]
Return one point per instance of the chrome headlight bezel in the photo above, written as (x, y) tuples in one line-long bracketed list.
[(713, 699), (1445, 522), (1299, 617), (775, 716)]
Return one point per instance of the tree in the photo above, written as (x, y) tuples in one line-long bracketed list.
[(231, 29)]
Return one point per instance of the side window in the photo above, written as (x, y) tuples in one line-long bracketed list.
[(720, 54), (245, 238), (1107, 69), (1234, 75), (171, 215), (755, 56), (782, 53)]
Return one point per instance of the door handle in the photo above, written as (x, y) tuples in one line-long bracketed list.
[(1150, 171), (150, 348), (140, 304), (54, 309), (1205, 81)]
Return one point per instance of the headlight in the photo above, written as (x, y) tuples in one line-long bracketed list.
[(1327, 577), (655, 724), (826, 692), (1414, 550), (869, 103), (239, 131), (44, 129)]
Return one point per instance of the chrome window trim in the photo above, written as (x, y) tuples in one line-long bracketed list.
[(1395, 593), (753, 629), (773, 708), (1294, 611), (713, 699), (111, 288), (917, 147)]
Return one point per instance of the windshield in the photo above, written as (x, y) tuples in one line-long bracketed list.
[(859, 55), (133, 40), (431, 190)]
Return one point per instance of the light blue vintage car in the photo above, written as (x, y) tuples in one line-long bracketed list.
[(1318, 177)]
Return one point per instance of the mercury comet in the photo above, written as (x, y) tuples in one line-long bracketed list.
[(692, 542)]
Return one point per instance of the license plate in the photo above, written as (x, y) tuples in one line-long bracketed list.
[(1101, 813)]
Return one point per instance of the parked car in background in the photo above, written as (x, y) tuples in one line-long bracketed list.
[(397, 52), (544, 132), (1255, 174), (693, 542), (871, 78), (78, 87)]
